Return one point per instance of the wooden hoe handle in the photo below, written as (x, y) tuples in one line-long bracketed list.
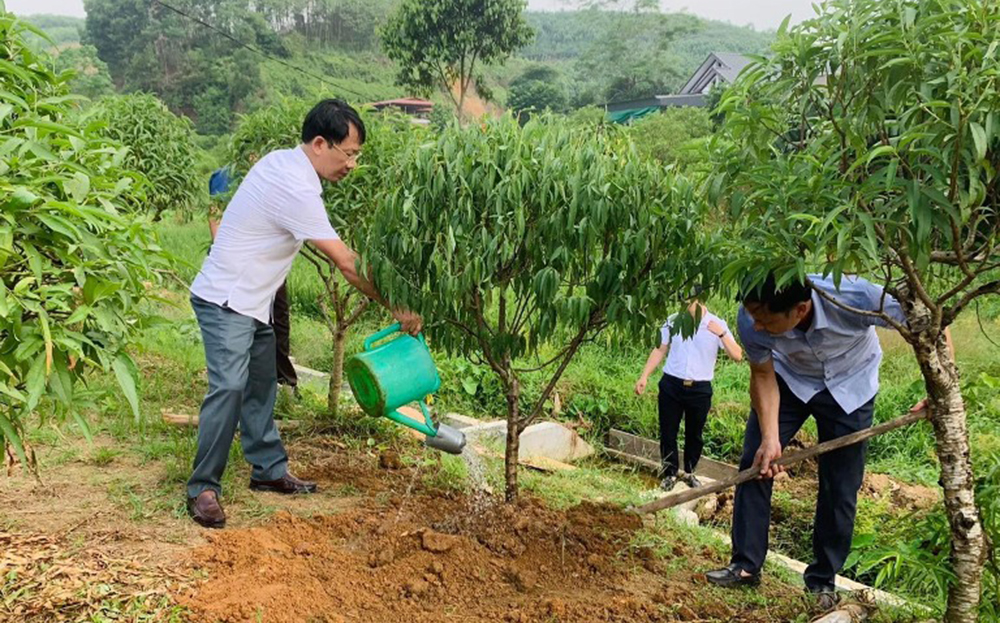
[(791, 458)]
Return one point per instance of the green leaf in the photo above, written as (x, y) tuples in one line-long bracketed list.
[(35, 382), (61, 381), (881, 150), (128, 377), (55, 128), (84, 426), (21, 199), (783, 28), (979, 139), (7, 390), (10, 434), (78, 187), (43, 321), (79, 314)]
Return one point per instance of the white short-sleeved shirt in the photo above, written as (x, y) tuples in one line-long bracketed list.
[(278, 206), (692, 359)]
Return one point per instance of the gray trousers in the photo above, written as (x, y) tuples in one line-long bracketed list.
[(242, 386)]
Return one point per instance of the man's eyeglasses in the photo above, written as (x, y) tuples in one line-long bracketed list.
[(354, 157)]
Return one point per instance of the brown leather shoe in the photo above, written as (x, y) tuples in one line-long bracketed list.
[(206, 510), (287, 485)]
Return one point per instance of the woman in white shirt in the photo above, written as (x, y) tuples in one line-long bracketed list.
[(686, 388)]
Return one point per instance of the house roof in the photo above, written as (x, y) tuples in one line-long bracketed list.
[(404, 102), (662, 101), (409, 105), (719, 65)]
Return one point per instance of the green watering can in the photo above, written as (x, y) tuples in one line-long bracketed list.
[(396, 373)]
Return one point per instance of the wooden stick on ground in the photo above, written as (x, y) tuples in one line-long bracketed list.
[(791, 458)]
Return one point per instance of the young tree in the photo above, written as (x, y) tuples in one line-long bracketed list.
[(672, 136), (349, 202), (443, 43), (868, 143), (160, 146), (75, 249), (91, 77), (521, 245)]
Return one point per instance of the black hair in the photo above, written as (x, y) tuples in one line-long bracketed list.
[(332, 119), (777, 301)]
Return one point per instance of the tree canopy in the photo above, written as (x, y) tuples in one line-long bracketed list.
[(444, 43), (521, 244)]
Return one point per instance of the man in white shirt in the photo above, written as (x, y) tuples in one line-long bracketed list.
[(686, 388), (277, 208)]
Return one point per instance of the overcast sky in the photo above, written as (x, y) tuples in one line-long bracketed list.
[(762, 14)]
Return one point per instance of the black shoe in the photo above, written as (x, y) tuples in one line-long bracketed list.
[(287, 485), (668, 482), (692, 481), (732, 577), (825, 599)]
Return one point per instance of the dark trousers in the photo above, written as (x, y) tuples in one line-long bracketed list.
[(282, 323), (840, 476), (691, 403)]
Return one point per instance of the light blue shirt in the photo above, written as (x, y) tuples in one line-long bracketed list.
[(839, 352)]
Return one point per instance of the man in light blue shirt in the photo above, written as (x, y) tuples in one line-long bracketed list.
[(808, 356)]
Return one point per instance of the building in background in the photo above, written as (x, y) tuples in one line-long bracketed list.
[(720, 68)]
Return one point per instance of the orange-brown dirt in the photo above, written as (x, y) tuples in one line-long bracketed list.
[(376, 545), (432, 557)]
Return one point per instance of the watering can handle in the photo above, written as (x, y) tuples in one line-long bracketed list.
[(386, 332)]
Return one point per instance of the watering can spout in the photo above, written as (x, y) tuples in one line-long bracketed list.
[(447, 440)]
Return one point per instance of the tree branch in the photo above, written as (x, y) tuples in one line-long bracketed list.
[(484, 344), (596, 323), (360, 309), (553, 360), (881, 315), (952, 312)]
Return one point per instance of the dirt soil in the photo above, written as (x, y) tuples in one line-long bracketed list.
[(429, 556), (375, 545)]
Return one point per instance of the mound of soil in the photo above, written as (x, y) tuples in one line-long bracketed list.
[(431, 559), (405, 554)]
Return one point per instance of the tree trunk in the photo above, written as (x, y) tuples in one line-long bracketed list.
[(513, 441), (336, 373), (952, 438)]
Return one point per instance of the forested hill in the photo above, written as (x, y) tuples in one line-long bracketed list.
[(129, 45)]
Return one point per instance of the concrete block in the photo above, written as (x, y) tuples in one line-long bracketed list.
[(686, 517), (646, 453), (555, 441), (545, 439)]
